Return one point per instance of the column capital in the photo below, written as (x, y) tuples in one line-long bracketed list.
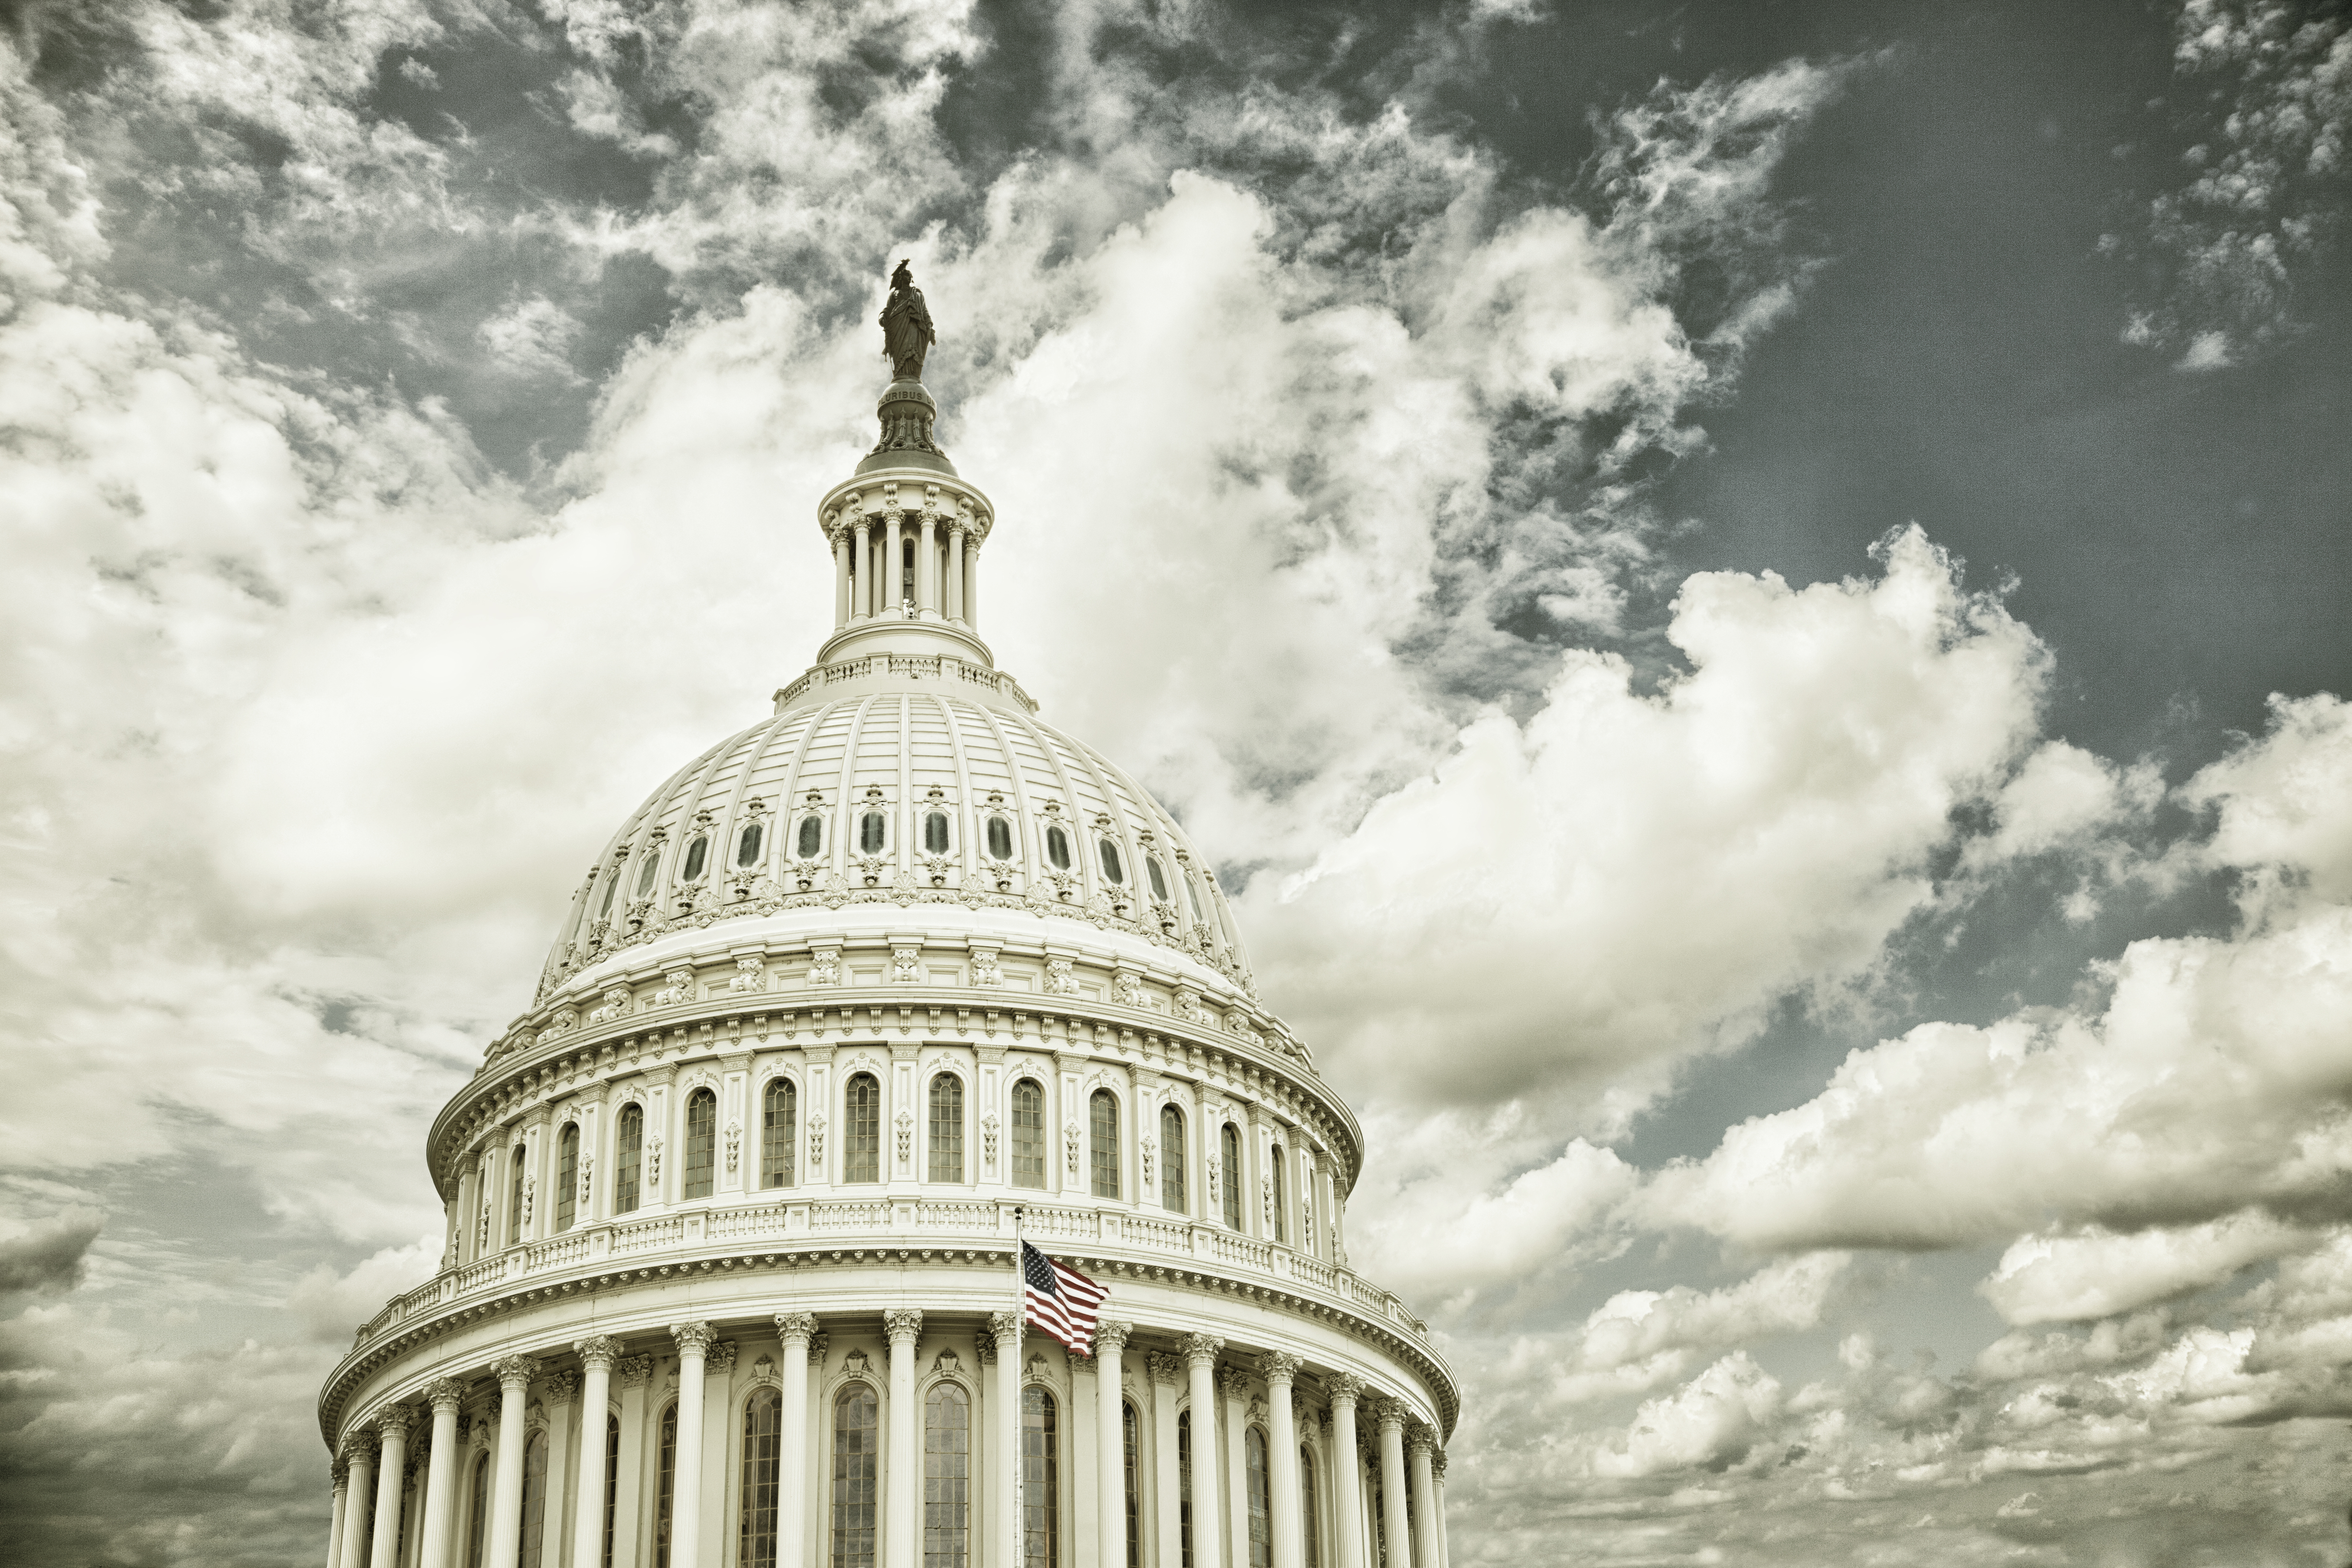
[(444, 1392), (1202, 1349), (903, 1324), (1343, 1388), (340, 1473), (1389, 1412), (820, 1346), (1111, 1336), (632, 1371), (693, 1339), (1419, 1440), (1279, 1368), (514, 1371), (563, 1387), (1163, 1367), (1233, 1383), (1002, 1327), (597, 1354), (1437, 1464), (796, 1327), (719, 1359), (394, 1420)]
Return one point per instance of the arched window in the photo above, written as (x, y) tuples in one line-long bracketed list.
[(854, 1457), (647, 869), (1057, 848), (612, 1482), (1131, 1449), (1041, 1491), (631, 1143), (534, 1498), (755, 1536), (947, 1128), (1184, 1487), (1028, 1134), (861, 1145), (666, 1488), (780, 1115), (749, 842), (1113, 868), (811, 837), (1102, 1142), (1274, 1176), (1158, 877), (947, 1477), (1310, 1519), (1230, 1150), (702, 1141), (1261, 1509), (514, 1199), (873, 832), (698, 856), (906, 570), (1172, 1160), (567, 1174), (1000, 838), (935, 833), (478, 1512)]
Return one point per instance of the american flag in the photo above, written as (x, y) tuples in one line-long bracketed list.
[(1060, 1300)]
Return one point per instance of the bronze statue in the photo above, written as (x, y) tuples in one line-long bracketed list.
[(907, 335)]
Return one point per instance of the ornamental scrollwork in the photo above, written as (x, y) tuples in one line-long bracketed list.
[(983, 968), (1060, 980), (678, 988), (906, 965), (734, 1145), (750, 974), (616, 1005)]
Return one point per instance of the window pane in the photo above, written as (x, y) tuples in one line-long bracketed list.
[(567, 1174), (762, 1444), (779, 1133), (854, 1457), (1102, 1129), (947, 1478), (1133, 1484), (811, 838), (1113, 868), (1158, 877), (1041, 1500), (1192, 896), (702, 1141), (1310, 1521), (514, 1202), (646, 873), (1000, 838), (612, 1482), (1261, 1513), (612, 886), (624, 1160), (477, 1513), (1184, 1487), (1171, 1159), (1230, 1148), (869, 833), (1028, 1134), (697, 853), (749, 842), (935, 833), (947, 1128), (862, 1149), (665, 1488), (1057, 848), (1274, 1174)]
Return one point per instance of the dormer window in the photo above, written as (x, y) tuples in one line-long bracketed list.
[(1057, 848), (811, 837), (1114, 871), (1000, 838), (697, 854)]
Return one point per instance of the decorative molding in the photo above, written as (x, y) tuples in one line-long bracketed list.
[(444, 1393), (719, 1359), (632, 1371), (1163, 1367), (693, 1339), (1200, 1349), (820, 1345), (1279, 1368), (563, 1387), (1059, 979), (1112, 1336), (734, 1145), (516, 1370), (796, 1327), (597, 1354), (1233, 1383), (903, 1323), (394, 1420), (1343, 1388)]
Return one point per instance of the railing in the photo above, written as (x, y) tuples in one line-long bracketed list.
[(900, 1221)]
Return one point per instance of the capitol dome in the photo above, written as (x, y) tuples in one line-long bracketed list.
[(855, 998)]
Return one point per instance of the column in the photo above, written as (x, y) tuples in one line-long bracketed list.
[(840, 576), (1424, 1498), (893, 582), (1110, 1445), (1167, 1484), (561, 1391), (971, 586), (514, 1374), (926, 568), (955, 572), (632, 1375), (686, 1507), (441, 1475), (1201, 1356), (1444, 1541), (902, 1483), (340, 1473), (792, 1459), (355, 1506), (596, 1355), (1347, 1469), (1233, 1383), (861, 599), (1392, 1484), (1006, 1535), (1282, 1463)]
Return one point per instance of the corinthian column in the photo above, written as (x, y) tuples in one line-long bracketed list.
[(1282, 1465), (392, 1431), (1233, 1383), (1392, 1484), (1110, 1431), (355, 1507), (1424, 1497), (514, 1374), (1444, 1545), (1167, 1481), (1201, 1355), (862, 594), (1005, 1552), (1347, 1469), (686, 1479), (441, 1475), (340, 1473), (902, 1488), (792, 1462), (596, 1358)]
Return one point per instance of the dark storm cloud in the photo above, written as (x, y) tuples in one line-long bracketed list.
[(51, 1255)]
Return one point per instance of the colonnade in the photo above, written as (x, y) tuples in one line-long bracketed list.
[(869, 568), (367, 1528)]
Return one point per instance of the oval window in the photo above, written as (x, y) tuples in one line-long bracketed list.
[(811, 838), (1111, 862), (612, 886), (645, 874), (749, 842), (696, 854), (869, 834), (1158, 877), (1057, 848), (935, 833), (1000, 838)]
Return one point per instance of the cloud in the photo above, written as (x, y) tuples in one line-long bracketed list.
[(49, 1255), (1639, 1339), (1710, 1423), (2099, 1274), (331, 1305)]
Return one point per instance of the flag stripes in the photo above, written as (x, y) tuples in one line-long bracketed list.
[(1059, 1300)]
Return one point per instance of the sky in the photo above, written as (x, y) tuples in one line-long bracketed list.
[(1749, 595)]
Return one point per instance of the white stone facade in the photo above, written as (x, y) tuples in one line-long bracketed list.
[(729, 1272)]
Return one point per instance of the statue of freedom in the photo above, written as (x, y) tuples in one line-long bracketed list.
[(907, 335)]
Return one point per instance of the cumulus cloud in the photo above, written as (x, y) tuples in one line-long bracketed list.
[(48, 1255), (1639, 1339), (330, 1305), (2099, 1274)]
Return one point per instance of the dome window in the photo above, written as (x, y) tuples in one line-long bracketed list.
[(1057, 848), (749, 842), (935, 833), (646, 872), (1192, 896), (1114, 871), (612, 886), (872, 832), (1158, 877), (1000, 838), (697, 855), (811, 838)]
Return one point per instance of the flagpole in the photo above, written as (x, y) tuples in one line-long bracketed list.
[(1020, 1432)]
